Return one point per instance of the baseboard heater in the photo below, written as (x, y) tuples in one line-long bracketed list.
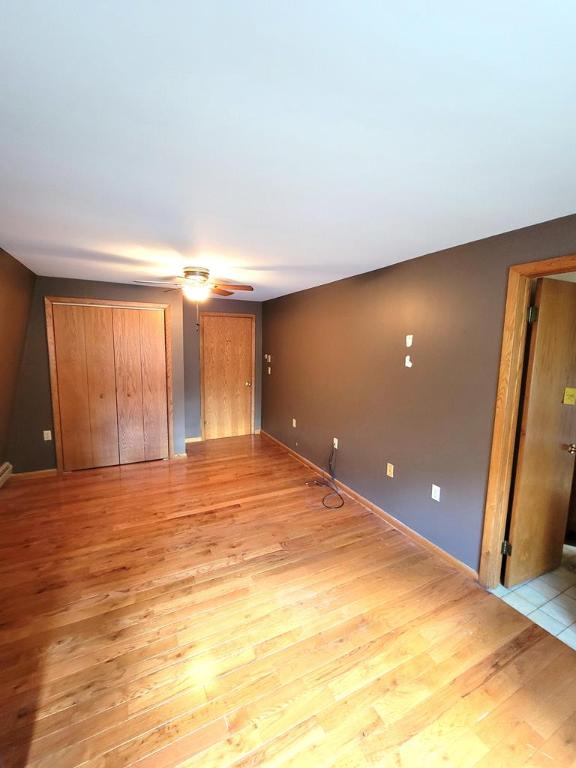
[(5, 472)]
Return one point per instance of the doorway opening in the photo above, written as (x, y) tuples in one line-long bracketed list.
[(227, 372), (528, 557)]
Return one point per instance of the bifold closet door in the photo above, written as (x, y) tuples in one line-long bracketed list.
[(140, 355), (84, 356)]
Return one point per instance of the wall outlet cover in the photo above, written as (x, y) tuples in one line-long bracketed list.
[(335, 442), (47, 434), (294, 423), (435, 492), (390, 469)]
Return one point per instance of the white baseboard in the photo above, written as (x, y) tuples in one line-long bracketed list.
[(369, 505), (193, 440), (5, 472)]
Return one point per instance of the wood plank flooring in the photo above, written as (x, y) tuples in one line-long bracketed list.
[(211, 612)]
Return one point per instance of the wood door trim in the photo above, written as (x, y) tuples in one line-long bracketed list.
[(88, 302), (512, 356), (49, 302), (252, 317)]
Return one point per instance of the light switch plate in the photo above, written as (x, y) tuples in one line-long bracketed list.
[(294, 423), (335, 442), (435, 492), (390, 469), (47, 434)]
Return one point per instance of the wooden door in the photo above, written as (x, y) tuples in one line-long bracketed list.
[(154, 390), (84, 352), (101, 385), (129, 385), (227, 362), (140, 352), (545, 466)]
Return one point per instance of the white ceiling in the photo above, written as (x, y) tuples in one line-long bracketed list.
[(287, 144)]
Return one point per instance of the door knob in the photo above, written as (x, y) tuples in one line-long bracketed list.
[(249, 384), (572, 448)]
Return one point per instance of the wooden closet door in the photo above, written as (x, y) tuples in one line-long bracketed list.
[(154, 397), (100, 366), (129, 385), (72, 373), (84, 349)]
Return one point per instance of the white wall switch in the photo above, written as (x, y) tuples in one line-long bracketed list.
[(294, 423), (435, 492), (47, 435), (335, 442), (390, 469), (409, 339), (269, 370), (408, 361)]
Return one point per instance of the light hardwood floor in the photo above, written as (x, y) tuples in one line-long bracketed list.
[(210, 612)]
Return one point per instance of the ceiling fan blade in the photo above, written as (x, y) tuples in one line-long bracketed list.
[(221, 292), (233, 286), (176, 280)]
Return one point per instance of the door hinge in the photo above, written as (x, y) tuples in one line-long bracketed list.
[(506, 548), (532, 314)]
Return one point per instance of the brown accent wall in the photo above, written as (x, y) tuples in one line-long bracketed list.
[(338, 368), (16, 288), (33, 406)]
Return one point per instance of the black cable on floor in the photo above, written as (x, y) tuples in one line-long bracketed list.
[(331, 483)]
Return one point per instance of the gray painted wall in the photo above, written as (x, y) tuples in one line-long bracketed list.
[(338, 367), (192, 356), (16, 290), (33, 407)]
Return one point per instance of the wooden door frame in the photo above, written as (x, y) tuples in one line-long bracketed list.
[(252, 317), (512, 357), (49, 302)]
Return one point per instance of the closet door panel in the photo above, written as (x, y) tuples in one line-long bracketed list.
[(71, 368), (154, 399), (99, 339), (129, 385)]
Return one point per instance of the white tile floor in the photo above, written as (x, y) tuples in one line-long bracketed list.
[(549, 600)]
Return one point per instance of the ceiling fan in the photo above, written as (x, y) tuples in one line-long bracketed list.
[(197, 284)]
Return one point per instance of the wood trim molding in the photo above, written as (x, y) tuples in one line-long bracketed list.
[(36, 475), (252, 317), (6, 470), (105, 302), (512, 355), (49, 302), (376, 510)]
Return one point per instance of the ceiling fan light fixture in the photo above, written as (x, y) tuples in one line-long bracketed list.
[(196, 292)]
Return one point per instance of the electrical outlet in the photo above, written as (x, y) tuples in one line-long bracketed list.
[(294, 423), (390, 469), (47, 434), (409, 339), (269, 370), (335, 442), (408, 361), (435, 492)]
